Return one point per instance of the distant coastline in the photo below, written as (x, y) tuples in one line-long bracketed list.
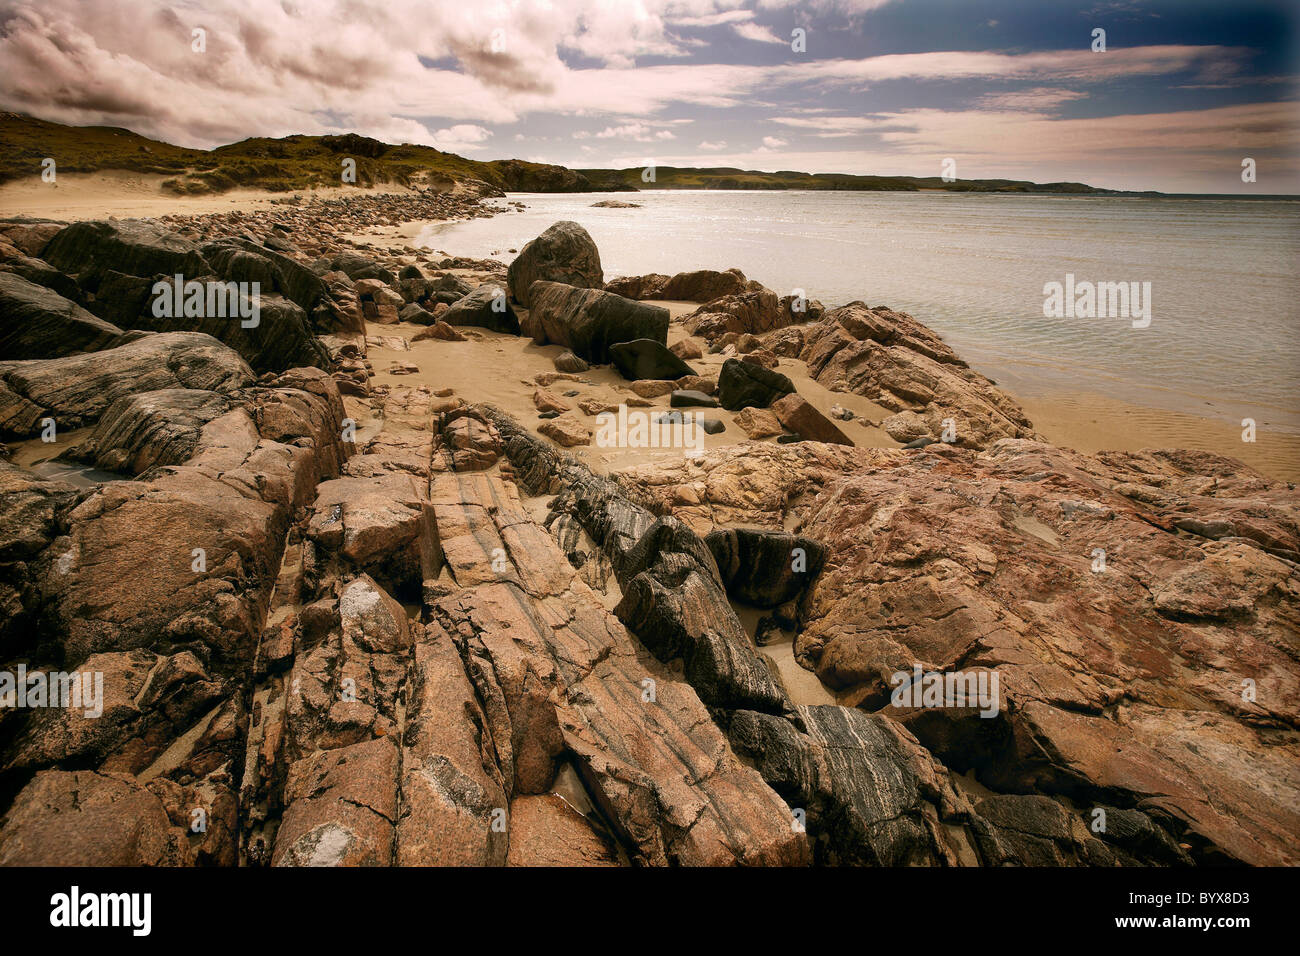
[(306, 162)]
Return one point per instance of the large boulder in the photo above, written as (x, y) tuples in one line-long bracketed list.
[(76, 389), (589, 321), (486, 307), (743, 384), (145, 429), (563, 253), (120, 262), (242, 260), (281, 339), (42, 273), (135, 247), (647, 359), (799, 415), (37, 323)]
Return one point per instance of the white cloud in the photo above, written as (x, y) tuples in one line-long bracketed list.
[(773, 142), (639, 132), (460, 137), (1040, 98), (311, 66), (760, 34)]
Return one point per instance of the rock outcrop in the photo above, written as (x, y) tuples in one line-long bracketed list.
[(346, 619), (898, 363), (1131, 605), (38, 323), (75, 390)]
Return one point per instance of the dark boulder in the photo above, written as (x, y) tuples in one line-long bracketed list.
[(647, 359), (36, 322), (244, 261), (415, 313), (42, 273), (589, 321), (563, 253), (765, 568), (744, 385), (280, 340), (486, 307), (88, 250)]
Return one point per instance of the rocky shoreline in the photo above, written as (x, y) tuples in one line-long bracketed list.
[(348, 614)]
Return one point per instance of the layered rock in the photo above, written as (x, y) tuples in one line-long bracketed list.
[(37, 323), (589, 321), (753, 311), (901, 365), (118, 264), (161, 586), (76, 389)]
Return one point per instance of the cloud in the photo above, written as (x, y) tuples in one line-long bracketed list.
[(439, 74), (829, 126), (462, 136), (760, 34), (401, 69), (1039, 98), (639, 132)]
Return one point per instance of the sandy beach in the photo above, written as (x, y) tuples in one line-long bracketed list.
[(499, 369)]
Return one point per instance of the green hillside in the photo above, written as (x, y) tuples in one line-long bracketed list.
[(277, 165), (300, 162), (723, 177)]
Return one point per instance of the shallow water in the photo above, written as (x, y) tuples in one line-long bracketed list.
[(1224, 337)]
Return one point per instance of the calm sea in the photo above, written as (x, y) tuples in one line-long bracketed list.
[(1224, 335)]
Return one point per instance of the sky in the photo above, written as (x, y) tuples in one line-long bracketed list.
[(1183, 92)]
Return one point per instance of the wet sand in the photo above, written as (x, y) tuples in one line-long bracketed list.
[(1093, 423)]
